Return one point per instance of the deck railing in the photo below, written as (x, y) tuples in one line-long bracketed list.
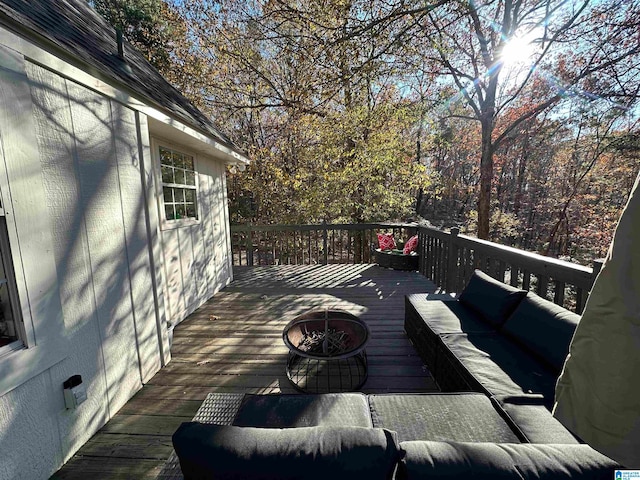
[(310, 244), (447, 258)]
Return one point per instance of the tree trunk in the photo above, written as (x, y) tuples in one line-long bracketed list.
[(486, 176), (522, 169)]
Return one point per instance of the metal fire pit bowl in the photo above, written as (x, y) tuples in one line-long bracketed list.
[(327, 368)]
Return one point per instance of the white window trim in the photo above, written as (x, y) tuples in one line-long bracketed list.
[(6, 258), (155, 155), (16, 284)]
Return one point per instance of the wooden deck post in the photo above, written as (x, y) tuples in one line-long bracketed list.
[(249, 247), (452, 260), (581, 295), (325, 252), (597, 266)]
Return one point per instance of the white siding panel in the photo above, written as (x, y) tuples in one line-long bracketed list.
[(201, 262), (59, 165), (207, 202), (154, 234), (187, 270), (27, 225), (225, 226), (213, 196), (217, 218), (29, 440), (133, 204), (222, 232), (100, 200), (58, 159), (173, 273)]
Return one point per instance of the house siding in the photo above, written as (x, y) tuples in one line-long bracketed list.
[(196, 257), (105, 277)]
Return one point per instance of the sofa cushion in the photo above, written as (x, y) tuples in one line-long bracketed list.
[(386, 241), (411, 245), (449, 316), (287, 411), (543, 328), (530, 419), (491, 299), (229, 452), (500, 367), (457, 417), (435, 460)]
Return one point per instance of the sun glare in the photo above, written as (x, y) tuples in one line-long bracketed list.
[(519, 51)]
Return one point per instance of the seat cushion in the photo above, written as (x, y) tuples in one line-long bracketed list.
[(448, 316), (228, 452), (434, 460), (500, 367), (286, 411), (454, 417), (543, 328), (530, 419), (491, 299)]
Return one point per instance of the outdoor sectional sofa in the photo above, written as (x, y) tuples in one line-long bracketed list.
[(504, 346), (494, 339)]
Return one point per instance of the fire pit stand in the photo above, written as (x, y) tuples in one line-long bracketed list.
[(326, 351)]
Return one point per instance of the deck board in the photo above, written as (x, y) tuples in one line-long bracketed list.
[(233, 344)]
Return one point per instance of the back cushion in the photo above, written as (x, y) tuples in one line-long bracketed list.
[(492, 300), (247, 453), (493, 461), (411, 245), (386, 241), (543, 328)]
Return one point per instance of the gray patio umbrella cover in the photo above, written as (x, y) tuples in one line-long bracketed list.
[(598, 392)]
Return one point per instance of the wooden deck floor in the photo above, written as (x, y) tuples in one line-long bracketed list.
[(233, 343)]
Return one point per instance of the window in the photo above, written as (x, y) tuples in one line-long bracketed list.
[(179, 189), (10, 324)]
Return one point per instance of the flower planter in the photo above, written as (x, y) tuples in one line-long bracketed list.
[(396, 259)]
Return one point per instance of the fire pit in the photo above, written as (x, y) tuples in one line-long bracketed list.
[(326, 351)]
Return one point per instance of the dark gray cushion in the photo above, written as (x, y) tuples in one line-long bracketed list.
[(531, 420), (435, 460), (457, 417), (543, 328), (247, 453), (499, 366), (287, 411), (491, 299), (449, 316)]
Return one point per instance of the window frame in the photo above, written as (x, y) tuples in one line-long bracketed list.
[(165, 223), (10, 264)]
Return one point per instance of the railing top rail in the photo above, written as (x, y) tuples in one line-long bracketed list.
[(507, 252), (536, 264), (320, 226)]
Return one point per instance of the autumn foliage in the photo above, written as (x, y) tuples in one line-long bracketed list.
[(356, 111)]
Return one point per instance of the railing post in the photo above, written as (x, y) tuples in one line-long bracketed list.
[(249, 247), (597, 266), (452, 260), (581, 295), (325, 243), (422, 240)]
